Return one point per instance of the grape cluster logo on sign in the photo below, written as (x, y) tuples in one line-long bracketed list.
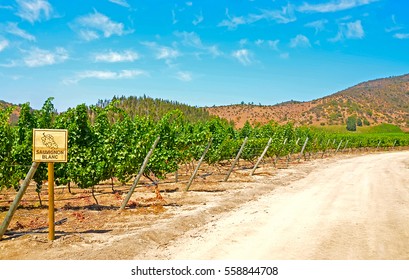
[(50, 145)]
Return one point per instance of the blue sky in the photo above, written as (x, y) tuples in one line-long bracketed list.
[(201, 53)]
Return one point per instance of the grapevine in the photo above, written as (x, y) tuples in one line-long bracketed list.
[(107, 143)]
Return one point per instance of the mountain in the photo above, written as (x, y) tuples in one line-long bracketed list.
[(373, 102)]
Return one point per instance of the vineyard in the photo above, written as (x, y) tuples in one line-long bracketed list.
[(107, 144), (108, 155)]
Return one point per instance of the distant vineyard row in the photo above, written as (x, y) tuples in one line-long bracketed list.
[(107, 143)]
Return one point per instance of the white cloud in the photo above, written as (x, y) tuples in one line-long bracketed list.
[(393, 17), (259, 42), (283, 16), (12, 28), (111, 56), (243, 56), (395, 26), (3, 44), (214, 50), (300, 41), (34, 10), (401, 36), (349, 30), (122, 3), (37, 57), (334, 6), (88, 35), (232, 22), (10, 64), (174, 20), (273, 44), (11, 77), (339, 37), (184, 76), (191, 39), (105, 75), (285, 55), (243, 42), (286, 15), (198, 19), (318, 25), (6, 7), (162, 52), (354, 30), (93, 26)]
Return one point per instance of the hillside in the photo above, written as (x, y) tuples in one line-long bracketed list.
[(15, 114), (4, 104), (141, 106), (156, 108), (374, 102), (377, 101)]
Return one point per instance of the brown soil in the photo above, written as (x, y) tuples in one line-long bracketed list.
[(285, 113), (166, 226)]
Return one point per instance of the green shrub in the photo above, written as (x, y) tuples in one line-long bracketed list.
[(351, 123)]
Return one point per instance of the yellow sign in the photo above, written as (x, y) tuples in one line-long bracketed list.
[(50, 145)]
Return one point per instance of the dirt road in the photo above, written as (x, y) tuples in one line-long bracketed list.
[(355, 208)]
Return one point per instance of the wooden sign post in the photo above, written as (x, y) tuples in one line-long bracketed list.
[(50, 145)]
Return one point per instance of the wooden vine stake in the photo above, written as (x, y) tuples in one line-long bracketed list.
[(330, 147), (261, 157), (198, 166), (346, 144), (17, 199), (236, 159), (303, 148), (339, 145), (138, 177)]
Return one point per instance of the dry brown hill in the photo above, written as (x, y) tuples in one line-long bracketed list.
[(378, 101), (16, 112)]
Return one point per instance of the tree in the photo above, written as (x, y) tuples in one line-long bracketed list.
[(351, 123)]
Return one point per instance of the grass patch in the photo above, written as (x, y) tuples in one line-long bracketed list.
[(381, 128)]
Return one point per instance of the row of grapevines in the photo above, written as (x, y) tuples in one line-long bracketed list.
[(106, 143)]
